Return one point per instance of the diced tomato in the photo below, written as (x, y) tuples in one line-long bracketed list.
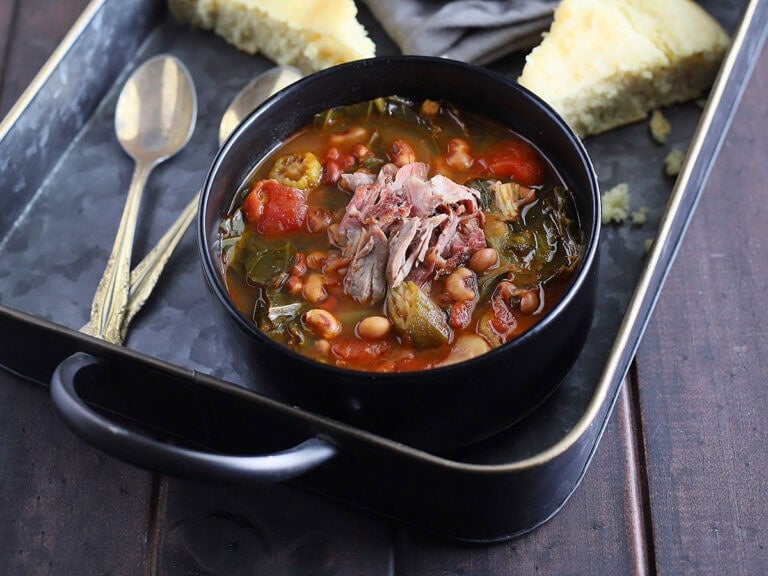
[(359, 351), (503, 320), (515, 159), (461, 314), (274, 208)]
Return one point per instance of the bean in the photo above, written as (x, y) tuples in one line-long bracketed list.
[(323, 347), (299, 267), (374, 327), (294, 285), (465, 347), (313, 290), (484, 259), (458, 155), (401, 153), (318, 220), (331, 172), (529, 301), (316, 259), (356, 134), (457, 284), (322, 323), (361, 152)]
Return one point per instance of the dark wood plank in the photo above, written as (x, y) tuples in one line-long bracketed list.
[(65, 508), (219, 529), (599, 530), (210, 528), (38, 27), (703, 371), (7, 14), (266, 529)]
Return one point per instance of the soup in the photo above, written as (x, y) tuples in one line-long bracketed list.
[(395, 235)]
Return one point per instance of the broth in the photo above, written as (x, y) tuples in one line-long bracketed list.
[(395, 235)]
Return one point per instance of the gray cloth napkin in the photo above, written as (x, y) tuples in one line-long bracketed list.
[(477, 31)]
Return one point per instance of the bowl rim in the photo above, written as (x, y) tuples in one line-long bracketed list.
[(585, 268)]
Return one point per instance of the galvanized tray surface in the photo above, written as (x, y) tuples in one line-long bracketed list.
[(64, 179)]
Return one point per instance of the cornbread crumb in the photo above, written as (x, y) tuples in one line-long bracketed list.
[(659, 126), (308, 34), (640, 216), (615, 204), (606, 63), (674, 162)]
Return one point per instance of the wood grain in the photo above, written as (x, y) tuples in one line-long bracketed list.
[(7, 15), (38, 27), (677, 486), (220, 529), (65, 508), (593, 534), (703, 371)]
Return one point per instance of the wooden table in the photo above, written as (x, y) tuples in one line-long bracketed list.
[(679, 484)]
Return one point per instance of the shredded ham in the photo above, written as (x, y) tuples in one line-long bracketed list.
[(399, 226)]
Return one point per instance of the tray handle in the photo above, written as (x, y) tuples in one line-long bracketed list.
[(149, 453)]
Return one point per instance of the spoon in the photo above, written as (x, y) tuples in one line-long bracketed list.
[(147, 272), (154, 119)]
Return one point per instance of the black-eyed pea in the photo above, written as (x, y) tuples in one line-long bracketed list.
[(484, 259), (322, 323), (323, 347), (294, 285), (299, 267), (465, 347), (529, 302), (458, 284), (401, 153), (315, 259), (374, 327), (459, 155), (313, 289), (318, 220), (361, 152), (354, 134)]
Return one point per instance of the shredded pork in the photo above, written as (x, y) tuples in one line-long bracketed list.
[(401, 226)]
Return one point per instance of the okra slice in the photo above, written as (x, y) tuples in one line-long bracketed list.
[(415, 315)]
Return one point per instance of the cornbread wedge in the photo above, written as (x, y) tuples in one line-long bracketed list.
[(308, 34), (605, 63)]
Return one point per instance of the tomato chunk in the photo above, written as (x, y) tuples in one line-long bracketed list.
[(515, 159), (359, 351), (275, 209)]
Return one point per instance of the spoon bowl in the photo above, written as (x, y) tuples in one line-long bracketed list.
[(253, 94), (156, 110), (146, 274)]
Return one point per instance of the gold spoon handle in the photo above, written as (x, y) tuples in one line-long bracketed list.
[(110, 303), (145, 275)]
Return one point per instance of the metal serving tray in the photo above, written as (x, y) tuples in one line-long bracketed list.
[(173, 387)]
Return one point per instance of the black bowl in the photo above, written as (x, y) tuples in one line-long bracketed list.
[(443, 407)]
